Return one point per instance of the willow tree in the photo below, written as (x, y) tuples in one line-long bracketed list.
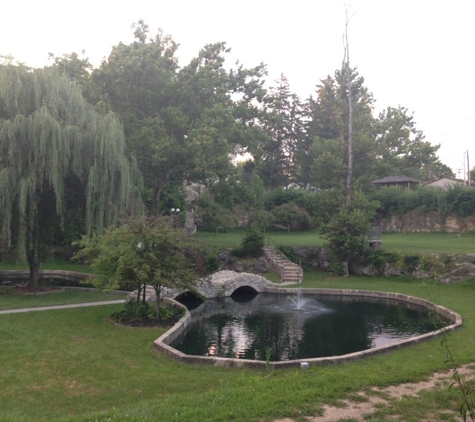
[(54, 146)]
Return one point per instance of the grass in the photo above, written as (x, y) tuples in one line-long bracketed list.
[(435, 242), (233, 237), (72, 365)]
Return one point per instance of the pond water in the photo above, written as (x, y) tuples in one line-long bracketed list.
[(284, 327)]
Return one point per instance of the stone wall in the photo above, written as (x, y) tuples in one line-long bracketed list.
[(414, 222), (442, 267), (162, 344)]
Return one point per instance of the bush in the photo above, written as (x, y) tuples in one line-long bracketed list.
[(379, 258), (289, 252), (461, 200), (136, 312), (411, 262), (252, 245)]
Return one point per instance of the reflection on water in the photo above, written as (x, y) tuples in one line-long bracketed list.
[(245, 326)]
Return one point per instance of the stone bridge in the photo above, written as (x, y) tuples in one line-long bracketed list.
[(224, 284)]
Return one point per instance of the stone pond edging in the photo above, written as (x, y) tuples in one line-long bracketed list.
[(162, 344)]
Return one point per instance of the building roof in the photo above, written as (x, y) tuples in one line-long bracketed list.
[(396, 179), (449, 179)]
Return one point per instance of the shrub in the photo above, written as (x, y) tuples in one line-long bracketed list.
[(252, 245), (461, 200), (289, 252), (411, 262)]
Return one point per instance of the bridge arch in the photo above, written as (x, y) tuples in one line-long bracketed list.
[(225, 283)]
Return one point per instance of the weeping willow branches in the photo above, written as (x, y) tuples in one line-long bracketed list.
[(48, 135)]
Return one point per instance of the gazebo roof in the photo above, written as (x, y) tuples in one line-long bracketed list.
[(396, 179)]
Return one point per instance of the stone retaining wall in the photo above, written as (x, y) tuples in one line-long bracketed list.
[(162, 344)]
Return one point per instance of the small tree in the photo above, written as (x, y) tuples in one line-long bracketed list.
[(140, 253), (344, 235), (252, 244), (292, 217), (261, 219), (215, 216)]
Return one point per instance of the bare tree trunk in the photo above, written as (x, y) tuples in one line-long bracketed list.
[(33, 255), (34, 279), (157, 301)]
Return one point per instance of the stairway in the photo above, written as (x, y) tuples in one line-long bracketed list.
[(289, 272)]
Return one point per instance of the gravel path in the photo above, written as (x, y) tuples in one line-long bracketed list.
[(73, 305)]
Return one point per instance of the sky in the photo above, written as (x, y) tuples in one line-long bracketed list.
[(413, 53)]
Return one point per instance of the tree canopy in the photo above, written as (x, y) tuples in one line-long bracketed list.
[(140, 253), (57, 155)]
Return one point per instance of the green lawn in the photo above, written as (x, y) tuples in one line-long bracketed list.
[(233, 237), (73, 365), (449, 243), (412, 243)]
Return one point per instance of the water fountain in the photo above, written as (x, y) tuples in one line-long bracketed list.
[(299, 301), (302, 326)]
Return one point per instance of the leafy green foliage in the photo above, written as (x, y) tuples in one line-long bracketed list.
[(138, 312), (458, 199), (181, 123), (261, 220), (214, 216), (289, 252), (140, 253), (461, 200), (344, 237), (399, 200), (53, 143), (292, 217), (252, 245)]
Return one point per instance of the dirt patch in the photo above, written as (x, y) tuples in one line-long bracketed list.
[(358, 410)]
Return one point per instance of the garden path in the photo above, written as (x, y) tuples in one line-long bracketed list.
[(73, 305)]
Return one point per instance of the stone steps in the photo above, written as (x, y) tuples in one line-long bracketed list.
[(288, 271)]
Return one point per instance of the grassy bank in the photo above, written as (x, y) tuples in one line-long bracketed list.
[(74, 365)]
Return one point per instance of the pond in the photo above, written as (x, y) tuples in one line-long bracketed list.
[(277, 327)]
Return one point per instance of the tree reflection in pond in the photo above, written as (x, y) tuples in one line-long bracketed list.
[(246, 326)]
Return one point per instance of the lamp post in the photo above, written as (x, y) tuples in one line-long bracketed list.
[(175, 212)]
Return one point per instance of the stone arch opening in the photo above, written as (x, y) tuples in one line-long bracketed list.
[(244, 293), (189, 299)]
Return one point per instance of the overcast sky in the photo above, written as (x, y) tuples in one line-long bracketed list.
[(413, 53)]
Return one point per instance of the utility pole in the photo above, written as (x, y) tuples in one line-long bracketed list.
[(468, 169), (464, 173)]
